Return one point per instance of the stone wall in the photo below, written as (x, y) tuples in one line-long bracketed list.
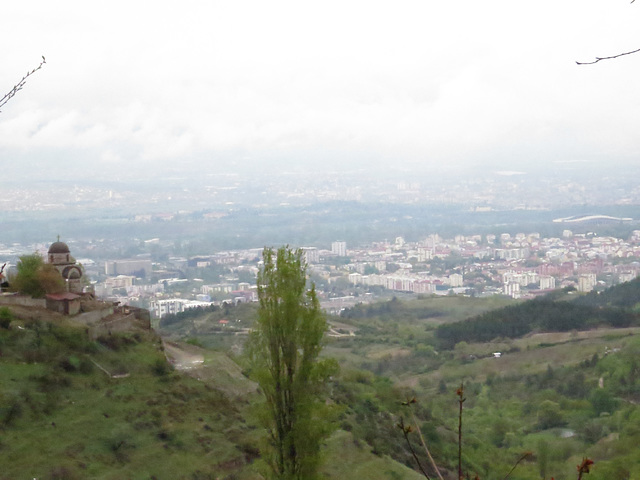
[(22, 300), (118, 324), (95, 316)]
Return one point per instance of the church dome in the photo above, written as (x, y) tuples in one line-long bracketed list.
[(58, 247)]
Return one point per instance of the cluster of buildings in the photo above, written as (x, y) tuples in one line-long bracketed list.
[(519, 266), (524, 265)]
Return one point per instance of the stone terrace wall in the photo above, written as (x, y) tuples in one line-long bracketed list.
[(95, 316), (23, 301), (118, 324)]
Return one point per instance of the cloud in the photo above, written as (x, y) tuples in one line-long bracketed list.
[(420, 81)]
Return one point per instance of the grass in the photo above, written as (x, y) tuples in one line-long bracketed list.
[(535, 354), (71, 420), (348, 458), (85, 424), (75, 421)]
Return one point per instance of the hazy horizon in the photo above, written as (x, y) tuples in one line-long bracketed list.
[(424, 87)]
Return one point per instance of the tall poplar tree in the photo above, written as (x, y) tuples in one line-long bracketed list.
[(284, 349)]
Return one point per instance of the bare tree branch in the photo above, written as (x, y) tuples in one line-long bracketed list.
[(17, 87), (608, 58)]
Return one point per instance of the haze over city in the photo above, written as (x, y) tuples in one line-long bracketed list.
[(275, 114)]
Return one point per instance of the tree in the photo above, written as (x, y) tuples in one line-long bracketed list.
[(36, 278), (550, 415), (5, 317), (284, 350)]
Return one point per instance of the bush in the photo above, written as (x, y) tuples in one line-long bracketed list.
[(550, 415), (36, 278), (11, 411), (5, 317), (602, 401), (115, 342), (161, 368)]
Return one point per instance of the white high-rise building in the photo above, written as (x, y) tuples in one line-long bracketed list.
[(547, 282), (311, 255), (339, 248), (586, 282)]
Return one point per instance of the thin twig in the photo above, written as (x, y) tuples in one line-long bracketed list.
[(584, 467), (524, 455), (424, 444), (608, 58), (461, 399), (17, 87), (405, 431)]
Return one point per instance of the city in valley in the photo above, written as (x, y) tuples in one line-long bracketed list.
[(521, 265)]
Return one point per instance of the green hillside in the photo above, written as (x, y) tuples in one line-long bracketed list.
[(109, 409), (115, 408)]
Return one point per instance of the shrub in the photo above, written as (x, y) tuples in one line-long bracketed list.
[(62, 473), (550, 415), (5, 317), (602, 401), (161, 368), (11, 412)]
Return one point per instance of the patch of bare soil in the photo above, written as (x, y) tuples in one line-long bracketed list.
[(214, 368)]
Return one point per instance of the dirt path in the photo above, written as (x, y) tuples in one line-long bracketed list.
[(180, 356), (214, 368)]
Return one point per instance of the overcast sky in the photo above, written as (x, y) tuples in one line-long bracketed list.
[(413, 83)]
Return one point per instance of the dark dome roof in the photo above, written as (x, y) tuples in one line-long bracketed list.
[(58, 247)]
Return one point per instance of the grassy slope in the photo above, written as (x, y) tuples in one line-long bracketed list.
[(160, 424), (502, 416), (61, 416), (347, 459)]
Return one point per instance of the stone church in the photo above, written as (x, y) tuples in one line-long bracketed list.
[(60, 257)]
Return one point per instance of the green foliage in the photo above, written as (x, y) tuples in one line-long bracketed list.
[(602, 401), (621, 369), (36, 278), (393, 307), (89, 425), (284, 350), (624, 295), (5, 317), (518, 320), (26, 278), (550, 415)]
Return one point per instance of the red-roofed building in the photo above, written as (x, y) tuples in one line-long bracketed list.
[(66, 303)]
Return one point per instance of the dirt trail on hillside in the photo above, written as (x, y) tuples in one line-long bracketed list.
[(213, 368), (181, 358)]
